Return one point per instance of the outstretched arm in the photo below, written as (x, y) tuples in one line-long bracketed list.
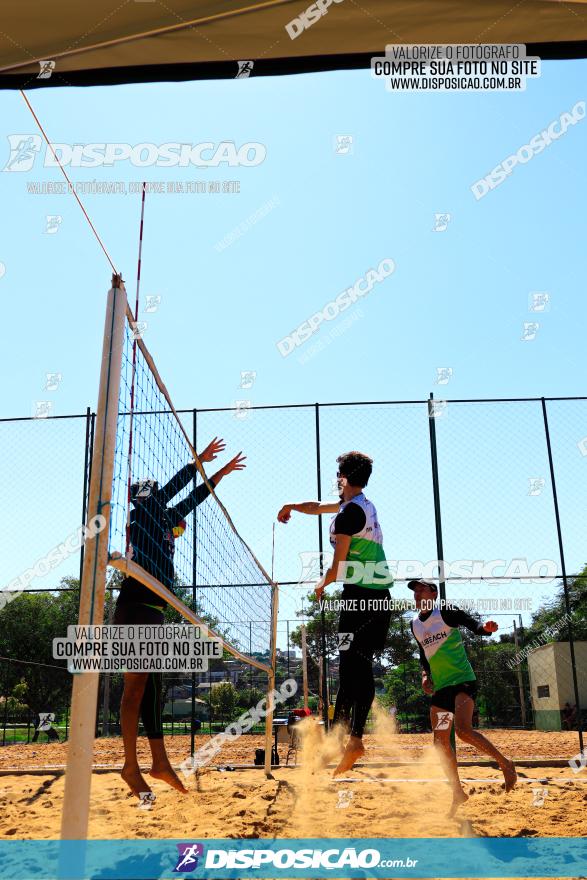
[(457, 617), (235, 464), (187, 473), (312, 507), (201, 492), (176, 483)]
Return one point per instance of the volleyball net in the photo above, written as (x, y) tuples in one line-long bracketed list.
[(162, 525), (168, 527)]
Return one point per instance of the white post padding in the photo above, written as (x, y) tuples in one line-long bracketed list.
[(78, 778)]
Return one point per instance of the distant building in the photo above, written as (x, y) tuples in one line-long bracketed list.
[(182, 708), (285, 654), (551, 681)]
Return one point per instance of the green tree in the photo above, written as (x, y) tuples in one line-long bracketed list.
[(403, 689), (314, 627), (248, 697), (499, 698), (28, 625), (224, 701), (16, 703), (552, 615)]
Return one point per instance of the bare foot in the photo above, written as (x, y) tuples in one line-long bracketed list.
[(509, 774), (167, 774), (354, 750), (134, 779), (458, 797)]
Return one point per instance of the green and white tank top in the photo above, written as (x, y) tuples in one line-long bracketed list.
[(444, 650), (366, 548)]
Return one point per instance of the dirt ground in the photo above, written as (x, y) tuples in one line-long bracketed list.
[(304, 801), (381, 746), (247, 805)]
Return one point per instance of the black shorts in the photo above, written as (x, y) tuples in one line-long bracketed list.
[(445, 697), (366, 618), (127, 613), (133, 591)]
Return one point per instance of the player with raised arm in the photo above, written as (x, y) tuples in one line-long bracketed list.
[(449, 678), (357, 540), (154, 528)]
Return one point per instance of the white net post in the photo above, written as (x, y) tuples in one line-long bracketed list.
[(271, 682), (76, 803)]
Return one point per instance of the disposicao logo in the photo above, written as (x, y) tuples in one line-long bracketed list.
[(187, 860)]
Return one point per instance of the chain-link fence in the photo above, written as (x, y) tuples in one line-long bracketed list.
[(494, 489), (36, 708)]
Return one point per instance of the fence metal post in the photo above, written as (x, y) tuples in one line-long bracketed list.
[(194, 561), (324, 693), (436, 492), (438, 522), (519, 674), (5, 721), (564, 574), (405, 678), (525, 674)]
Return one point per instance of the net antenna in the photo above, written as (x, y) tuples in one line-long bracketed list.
[(237, 600), (134, 363)]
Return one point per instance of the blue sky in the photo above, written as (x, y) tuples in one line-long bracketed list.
[(457, 298)]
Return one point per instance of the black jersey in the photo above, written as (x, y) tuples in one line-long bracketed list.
[(152, 542)]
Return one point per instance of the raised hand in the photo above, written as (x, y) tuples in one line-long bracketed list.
[(491, 626), (235, 464), (214, 448)]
